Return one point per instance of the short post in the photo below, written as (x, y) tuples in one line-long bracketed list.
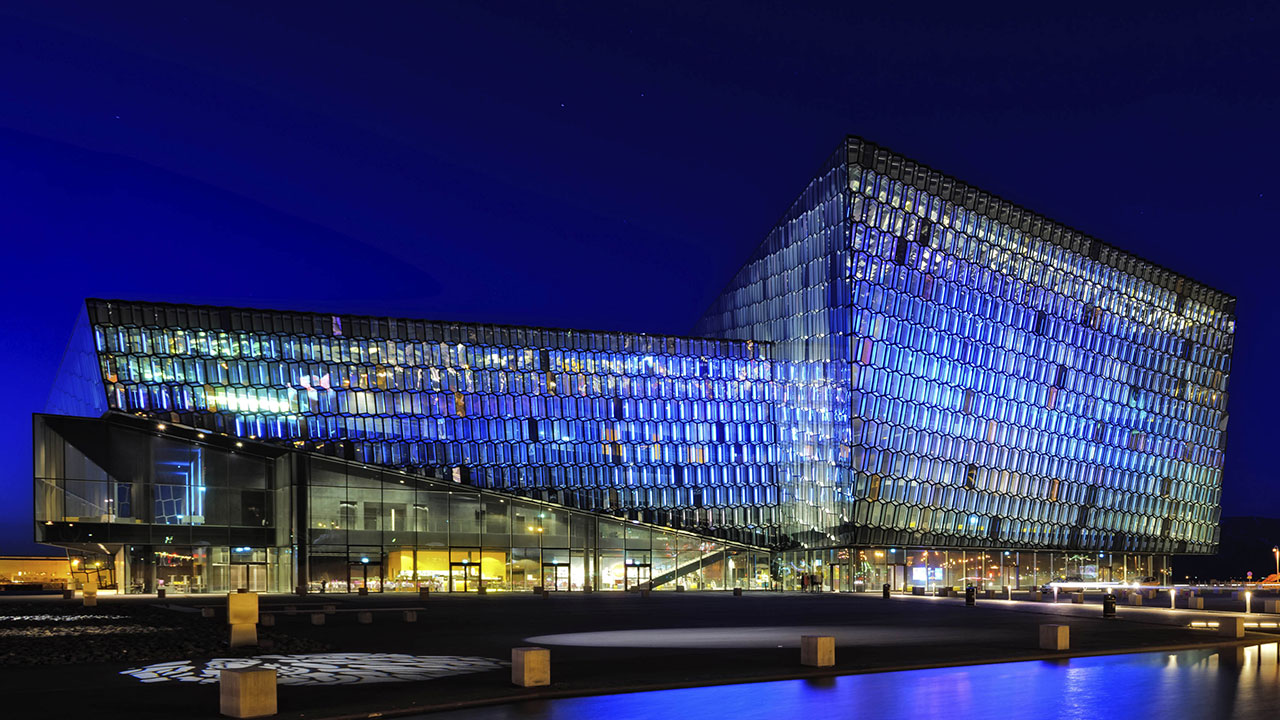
[(1055, 637), (364, 617), (1232, 627), (247, 692), (1109, 605), (242, 616), (1008, 592), (530, 666), (1248, 602), (817, 650), (1173, 594), (411, 616), (1055, 594)]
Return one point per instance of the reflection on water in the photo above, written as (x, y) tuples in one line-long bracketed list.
[(1232, 683)]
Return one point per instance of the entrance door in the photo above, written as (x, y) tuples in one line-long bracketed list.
[(464, 577), (555, 576), (637, 576), (364, 573), (248, 575), (899, 577)]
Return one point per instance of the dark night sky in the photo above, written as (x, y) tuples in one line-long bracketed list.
[(602, 165)]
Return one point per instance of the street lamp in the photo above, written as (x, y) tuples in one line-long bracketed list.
[(1275, 550)]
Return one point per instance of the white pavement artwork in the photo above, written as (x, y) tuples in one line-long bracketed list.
[(324, 668)]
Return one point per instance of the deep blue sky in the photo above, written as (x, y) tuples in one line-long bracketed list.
[(604, 165)]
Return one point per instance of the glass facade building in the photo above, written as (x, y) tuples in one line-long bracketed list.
[(910, 381), (963, 373)]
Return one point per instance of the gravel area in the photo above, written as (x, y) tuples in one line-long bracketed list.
[(46, 634)]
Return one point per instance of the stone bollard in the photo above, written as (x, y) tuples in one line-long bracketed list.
[(267, 620), (817, 650), (247, 692), (530, 666), (411, 616), (1077, 598), (317, 618), (242, 616), (1195, 603), (330, 609), (1055, 637), (207, 612), (364, 617), (1232, 627), (737, 592)]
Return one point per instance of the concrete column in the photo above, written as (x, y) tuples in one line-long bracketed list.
[(817, 650), (247, 692), (1232, 627), (1055, 637), (530, 666)]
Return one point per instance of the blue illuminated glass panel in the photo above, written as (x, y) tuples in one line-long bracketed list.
[(967, 373), (677, 430)]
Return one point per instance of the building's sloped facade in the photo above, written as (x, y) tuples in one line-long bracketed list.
[(678, 431), (970, 374)]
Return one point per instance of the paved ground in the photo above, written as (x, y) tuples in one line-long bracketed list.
[(608, 642)]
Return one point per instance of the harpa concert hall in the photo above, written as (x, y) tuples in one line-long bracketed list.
[(910, 381)]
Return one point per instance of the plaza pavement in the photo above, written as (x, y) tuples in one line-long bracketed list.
[(611, 642)]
